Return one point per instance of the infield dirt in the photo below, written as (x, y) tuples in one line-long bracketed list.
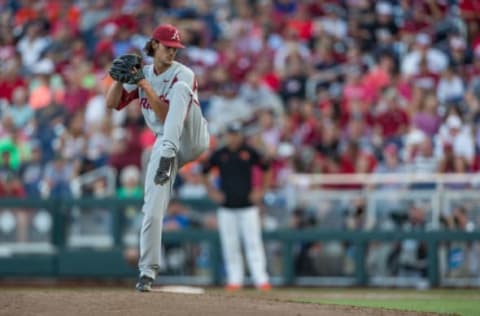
[(70, 302)]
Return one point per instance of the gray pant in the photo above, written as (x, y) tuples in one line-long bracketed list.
[(185, 130), (156, 200)]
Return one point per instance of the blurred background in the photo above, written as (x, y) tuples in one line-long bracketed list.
[(338, 94)]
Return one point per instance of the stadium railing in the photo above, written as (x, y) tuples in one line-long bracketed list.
[(55, 245)]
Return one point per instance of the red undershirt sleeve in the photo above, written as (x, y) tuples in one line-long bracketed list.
[(126, 98)]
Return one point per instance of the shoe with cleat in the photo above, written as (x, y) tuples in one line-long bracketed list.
[(144, 284)]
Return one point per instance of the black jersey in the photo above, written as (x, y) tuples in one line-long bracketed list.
[(236, 168)]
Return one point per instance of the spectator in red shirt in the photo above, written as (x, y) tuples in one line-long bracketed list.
[(417, 20), (24, 15), (302, 23), (305, 131), (76, 97), (379, 77), (268, 75), (470, 9), (237, 63), (63, 14), (354, 159), (10, 78), (425, 79), (391, 119), (451, 163), (11, 186)]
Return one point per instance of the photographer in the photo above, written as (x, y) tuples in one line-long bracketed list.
[(409, 257)]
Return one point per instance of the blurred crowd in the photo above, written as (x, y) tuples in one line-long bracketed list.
[(353, 86), (321, 86)]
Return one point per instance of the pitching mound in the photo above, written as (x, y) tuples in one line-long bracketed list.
[(91, 302)]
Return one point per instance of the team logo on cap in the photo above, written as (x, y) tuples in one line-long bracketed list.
[(176, 36)]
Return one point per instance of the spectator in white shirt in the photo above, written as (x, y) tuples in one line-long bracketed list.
[(437, 61), (259, 95), (457, 135), (227, 107), (32, 45), (333, 23), (424, 160), (450, 87)]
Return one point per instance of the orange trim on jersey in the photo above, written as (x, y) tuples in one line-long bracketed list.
[(126, 98)]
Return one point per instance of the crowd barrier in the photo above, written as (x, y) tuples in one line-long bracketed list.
[(91, 237)]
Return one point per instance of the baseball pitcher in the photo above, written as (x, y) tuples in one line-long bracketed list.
[(168, 97)]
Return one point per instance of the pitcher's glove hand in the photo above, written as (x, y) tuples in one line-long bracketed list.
[(127, 69)]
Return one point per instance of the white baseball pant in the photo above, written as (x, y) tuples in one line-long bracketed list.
[(242, 225)]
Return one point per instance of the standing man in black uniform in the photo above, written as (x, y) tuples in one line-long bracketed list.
[(238, 214)]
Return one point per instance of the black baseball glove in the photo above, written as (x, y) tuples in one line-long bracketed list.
[(127, 69)]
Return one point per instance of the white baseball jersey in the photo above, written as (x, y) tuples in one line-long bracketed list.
[(162, 84)]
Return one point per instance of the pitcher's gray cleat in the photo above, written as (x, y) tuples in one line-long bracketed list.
[(144, 284), (164, 170)]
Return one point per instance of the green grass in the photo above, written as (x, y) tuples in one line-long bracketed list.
[(465, 303), (459, 307)]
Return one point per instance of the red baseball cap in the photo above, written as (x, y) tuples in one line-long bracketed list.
[(168, 35)]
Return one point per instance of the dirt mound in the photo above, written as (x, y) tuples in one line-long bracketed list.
[(91, 302)]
